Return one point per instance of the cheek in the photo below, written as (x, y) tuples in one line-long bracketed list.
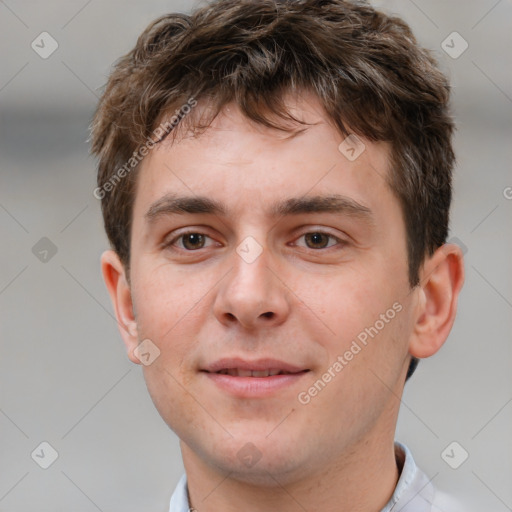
[(346, 303), (166, 302), (168, 312), (365, 321)]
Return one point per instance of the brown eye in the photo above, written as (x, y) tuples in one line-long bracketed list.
[(317, 240), (188, 242), (320, 240), (192, 241)]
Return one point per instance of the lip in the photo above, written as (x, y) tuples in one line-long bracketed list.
[(256, 365), (253, 387)]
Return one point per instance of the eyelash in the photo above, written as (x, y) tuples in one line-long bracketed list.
[(340, 242)]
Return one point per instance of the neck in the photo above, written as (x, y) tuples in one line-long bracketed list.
[(363, 480)]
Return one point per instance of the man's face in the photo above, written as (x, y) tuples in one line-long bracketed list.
[(251, 289)]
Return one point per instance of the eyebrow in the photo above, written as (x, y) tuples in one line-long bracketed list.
[(172, 204)]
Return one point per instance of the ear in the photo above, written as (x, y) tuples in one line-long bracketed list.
[(441, 280), (117, 285)]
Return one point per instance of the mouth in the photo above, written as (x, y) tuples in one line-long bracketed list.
[(252, 379), (238, 367), (271, 372)]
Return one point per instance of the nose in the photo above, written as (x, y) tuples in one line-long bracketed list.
[(251, 294)]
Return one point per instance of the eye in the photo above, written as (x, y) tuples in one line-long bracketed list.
[(320, 240), (191, 241)]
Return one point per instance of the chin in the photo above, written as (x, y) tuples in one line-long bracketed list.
[(260, 461), (265, 473)]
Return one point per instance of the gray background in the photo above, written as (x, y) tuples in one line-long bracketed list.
[(65, 377)]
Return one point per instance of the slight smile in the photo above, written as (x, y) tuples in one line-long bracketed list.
[(253, 379)]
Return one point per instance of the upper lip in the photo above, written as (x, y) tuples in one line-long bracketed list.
[(256, 365)]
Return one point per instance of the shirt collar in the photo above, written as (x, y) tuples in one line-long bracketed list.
[(179, 499), (414, 492)]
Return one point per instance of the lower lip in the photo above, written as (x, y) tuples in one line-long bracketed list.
[(253, 387)]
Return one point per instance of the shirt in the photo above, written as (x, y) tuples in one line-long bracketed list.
[(414, 491)]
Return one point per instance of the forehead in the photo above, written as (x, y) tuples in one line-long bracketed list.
[(246, 165)]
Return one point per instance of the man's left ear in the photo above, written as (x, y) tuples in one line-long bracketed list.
[(441, 280)]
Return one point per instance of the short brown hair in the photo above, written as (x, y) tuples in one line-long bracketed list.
[(365, 67)]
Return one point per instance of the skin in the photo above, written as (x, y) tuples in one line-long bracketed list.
[(299, 301)]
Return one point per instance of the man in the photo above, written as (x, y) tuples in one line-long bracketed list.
[(275, 181)]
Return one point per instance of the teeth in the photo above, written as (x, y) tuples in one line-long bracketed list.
[(238, 372), (260, 373)]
